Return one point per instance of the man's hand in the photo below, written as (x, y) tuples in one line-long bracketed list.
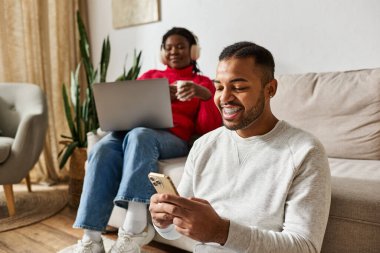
[(160, 217), (193, 217)]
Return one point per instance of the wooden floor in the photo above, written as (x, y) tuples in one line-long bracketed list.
[(54, 234)]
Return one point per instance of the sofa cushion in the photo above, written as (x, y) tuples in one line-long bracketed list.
[(355, 190), (341, 108), (5, 148)]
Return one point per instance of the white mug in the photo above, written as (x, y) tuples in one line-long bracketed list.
[(179, 84)]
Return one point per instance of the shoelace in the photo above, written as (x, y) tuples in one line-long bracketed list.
[(84, 247), (126, 244)]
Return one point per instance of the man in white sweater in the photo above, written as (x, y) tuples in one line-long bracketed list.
[(257, 184)]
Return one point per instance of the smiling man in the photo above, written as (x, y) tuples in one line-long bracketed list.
[(243, 92), (257, 184)]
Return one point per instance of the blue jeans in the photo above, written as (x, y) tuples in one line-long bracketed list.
[(117, 172)]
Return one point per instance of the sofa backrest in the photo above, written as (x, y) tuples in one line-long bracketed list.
[(341, 108)]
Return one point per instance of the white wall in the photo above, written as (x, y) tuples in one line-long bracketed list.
[(304, 36)]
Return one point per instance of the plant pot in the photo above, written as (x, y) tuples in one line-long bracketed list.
[(76, 174)]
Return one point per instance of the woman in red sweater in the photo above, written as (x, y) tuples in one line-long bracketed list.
[(118, 165)]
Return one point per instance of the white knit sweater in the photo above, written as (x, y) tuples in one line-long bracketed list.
[(274, 189)]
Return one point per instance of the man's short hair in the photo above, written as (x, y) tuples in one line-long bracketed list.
[(263, 58)]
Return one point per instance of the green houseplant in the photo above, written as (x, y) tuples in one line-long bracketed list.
[(79, 106)]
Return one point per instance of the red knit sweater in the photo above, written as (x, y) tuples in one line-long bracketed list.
[(194, 116)]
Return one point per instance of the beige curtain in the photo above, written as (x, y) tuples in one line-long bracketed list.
[(39, 44)]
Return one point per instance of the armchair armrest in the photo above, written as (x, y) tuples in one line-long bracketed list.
[(29, 139)]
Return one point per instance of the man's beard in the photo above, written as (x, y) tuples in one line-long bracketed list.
[(251, 115)]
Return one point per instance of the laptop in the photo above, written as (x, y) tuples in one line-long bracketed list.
[(124, 105)]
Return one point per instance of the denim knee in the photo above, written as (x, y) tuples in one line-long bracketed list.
[(140, 136), (105, 155), (100, 149)]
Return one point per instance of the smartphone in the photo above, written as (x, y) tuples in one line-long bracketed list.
[(162, 183)]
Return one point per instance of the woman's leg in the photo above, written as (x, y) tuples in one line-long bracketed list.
[(101, 182), (143, 147)]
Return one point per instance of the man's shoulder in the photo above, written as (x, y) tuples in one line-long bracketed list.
[(299, 138), (212, 135), (210, 138)]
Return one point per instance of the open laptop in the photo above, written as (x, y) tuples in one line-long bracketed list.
[(125, 105)]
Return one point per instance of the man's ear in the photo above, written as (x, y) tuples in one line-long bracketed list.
[(272, 88)]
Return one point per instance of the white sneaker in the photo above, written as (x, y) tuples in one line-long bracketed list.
[(89, 247), (127, 243)]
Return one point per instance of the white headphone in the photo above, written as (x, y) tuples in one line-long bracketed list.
[(195, 52)]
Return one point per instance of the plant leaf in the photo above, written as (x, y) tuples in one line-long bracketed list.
[(67, 108), (105, 58), (66, 137), (84, 47), (67, 153)]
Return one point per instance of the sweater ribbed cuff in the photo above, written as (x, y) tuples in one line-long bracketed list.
[(239, 237), (168, 233)]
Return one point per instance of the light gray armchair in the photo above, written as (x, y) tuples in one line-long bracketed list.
[(23, 125)]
